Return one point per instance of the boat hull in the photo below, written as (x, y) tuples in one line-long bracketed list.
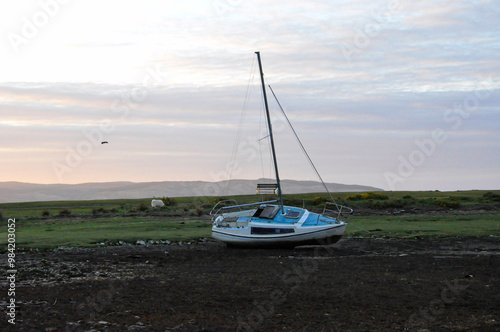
[(241, 237)]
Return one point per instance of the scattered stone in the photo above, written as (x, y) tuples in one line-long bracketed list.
[(74, 326)]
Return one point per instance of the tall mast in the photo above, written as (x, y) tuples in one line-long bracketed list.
[(270, 132)]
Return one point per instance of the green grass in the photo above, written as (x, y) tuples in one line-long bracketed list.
[(87, 232), (411, 226), (109, 221)]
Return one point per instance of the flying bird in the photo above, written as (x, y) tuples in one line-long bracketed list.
[(104, 142)]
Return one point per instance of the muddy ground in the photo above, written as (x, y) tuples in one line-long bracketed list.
[(354, 285)]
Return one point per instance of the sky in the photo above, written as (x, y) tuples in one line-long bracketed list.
[(400, 95)]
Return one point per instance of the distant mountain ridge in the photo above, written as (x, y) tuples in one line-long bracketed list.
[(31, 192)]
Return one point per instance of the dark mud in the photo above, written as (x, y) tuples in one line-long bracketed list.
[(354, 285)]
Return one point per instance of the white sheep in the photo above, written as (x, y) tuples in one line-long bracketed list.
[(157, 203)]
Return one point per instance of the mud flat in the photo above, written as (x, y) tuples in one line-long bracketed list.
[(450, 284)]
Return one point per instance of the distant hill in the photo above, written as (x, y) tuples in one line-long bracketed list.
[(30, 192)]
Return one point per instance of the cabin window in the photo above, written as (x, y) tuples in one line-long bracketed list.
[(267, 212), (292, 214), (273, 230)]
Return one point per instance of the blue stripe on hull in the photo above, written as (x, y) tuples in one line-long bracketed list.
[(312, 237)]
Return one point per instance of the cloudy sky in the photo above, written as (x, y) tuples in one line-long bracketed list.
[(402, 95)]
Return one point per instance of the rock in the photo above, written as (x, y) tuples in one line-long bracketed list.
[(73, 326)]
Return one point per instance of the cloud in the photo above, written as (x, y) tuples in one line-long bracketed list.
[(171, 79)]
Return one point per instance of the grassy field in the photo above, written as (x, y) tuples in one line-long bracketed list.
[(384, 214), (104, 231), (412, 226)]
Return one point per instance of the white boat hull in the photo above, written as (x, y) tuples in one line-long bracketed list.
[(311, 235)]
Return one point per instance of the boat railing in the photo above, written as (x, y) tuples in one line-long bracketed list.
[(222, 207), (332, 208)]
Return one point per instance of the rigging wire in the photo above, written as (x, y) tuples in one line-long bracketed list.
[(263, 122), (339, 206), (302, 147), (240, 126)]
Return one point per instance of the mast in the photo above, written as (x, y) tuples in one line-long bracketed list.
[(270, 132)]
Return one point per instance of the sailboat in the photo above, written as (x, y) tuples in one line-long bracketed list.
[(271, 223)]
